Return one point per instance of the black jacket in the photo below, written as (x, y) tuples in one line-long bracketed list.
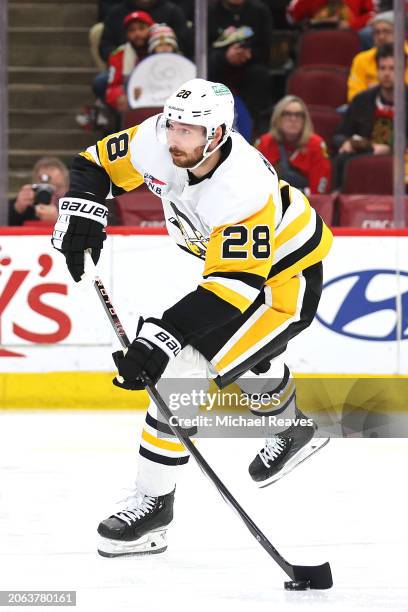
[(162, 11), (252, 13), (359, 117), (104, 6), (16, 218)]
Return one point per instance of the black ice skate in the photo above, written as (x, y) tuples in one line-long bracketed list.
[(139, 529), (283, 452)]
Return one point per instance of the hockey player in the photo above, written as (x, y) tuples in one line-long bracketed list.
[(261, 244)]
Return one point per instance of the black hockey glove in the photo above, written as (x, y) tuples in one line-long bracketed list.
[(145, 360), (80, 226)]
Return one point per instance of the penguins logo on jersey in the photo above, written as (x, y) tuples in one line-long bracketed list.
[(195, 241)]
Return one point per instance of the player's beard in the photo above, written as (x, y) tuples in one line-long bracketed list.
[(183, 159), (388, 87)]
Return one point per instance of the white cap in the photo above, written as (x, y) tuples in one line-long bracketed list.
[(387, 16)]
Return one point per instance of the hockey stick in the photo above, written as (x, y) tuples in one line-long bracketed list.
[(303, 576)]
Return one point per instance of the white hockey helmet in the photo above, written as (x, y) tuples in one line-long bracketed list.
[(201, 102)]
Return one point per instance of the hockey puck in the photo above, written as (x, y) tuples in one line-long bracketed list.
[(297, 585)]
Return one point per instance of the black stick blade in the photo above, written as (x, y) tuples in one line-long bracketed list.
[(319, 576)]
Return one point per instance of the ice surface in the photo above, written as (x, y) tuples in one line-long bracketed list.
[(61, 471)]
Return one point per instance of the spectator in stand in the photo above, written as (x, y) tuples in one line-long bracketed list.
[(251, 13), (114, 35), (239, 60), (344, 15), (363, 71), (162, 39), (38, 201), (385, 5), (278, 9), (298, 154), (104, 6), (95, 33), (122, 61), (367, 126), (162, 11), (188, 8)]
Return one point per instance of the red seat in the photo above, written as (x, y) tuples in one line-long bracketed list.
[(140, 207), (328, 48), (324, 205), (325, 86), (369, 211), (368, 174), (325, 122), (135, 116)]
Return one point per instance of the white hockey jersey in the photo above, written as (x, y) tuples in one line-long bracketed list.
[(235, 219)]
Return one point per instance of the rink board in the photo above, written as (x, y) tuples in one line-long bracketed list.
[(56, 344)]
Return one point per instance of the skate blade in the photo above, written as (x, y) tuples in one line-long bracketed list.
[(152, 543), (304, 453)]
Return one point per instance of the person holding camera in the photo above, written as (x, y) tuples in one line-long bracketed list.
[(38, 201), (240, 33)]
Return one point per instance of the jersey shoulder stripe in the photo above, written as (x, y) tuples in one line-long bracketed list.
[(253, 280), (302, 231), (309, 253), (301, 240), (113, 154), (233, 297)]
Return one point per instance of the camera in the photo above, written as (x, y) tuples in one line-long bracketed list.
[(43, 190)]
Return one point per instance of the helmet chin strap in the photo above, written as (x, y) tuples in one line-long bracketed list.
[(206, 153)]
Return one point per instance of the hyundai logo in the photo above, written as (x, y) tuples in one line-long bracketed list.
[(364, 305)]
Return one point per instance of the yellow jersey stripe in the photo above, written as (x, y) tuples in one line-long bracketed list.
[(120, 169), (238, 286), (166, 444), (294, 227), (228, 295), (88, 156), (270, 320), (305, 261)]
